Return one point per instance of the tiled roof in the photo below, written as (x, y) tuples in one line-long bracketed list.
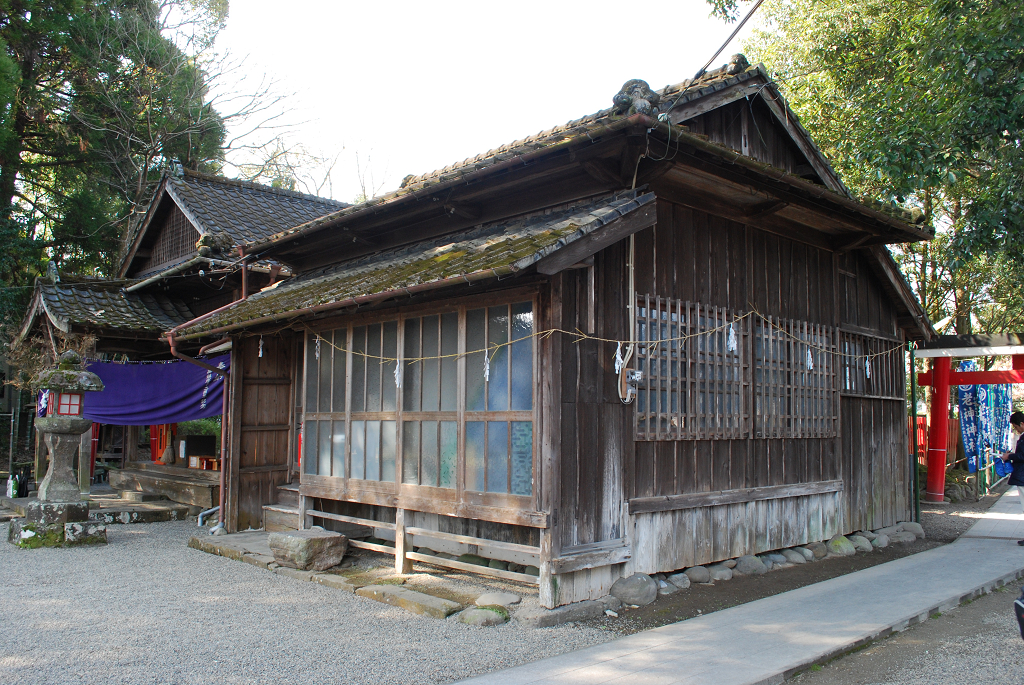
[(593, 125), (103, 304), (245, 211), (497, 249)]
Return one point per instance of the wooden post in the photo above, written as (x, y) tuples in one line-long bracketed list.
[(130, 443), (936, 484), (85, 463), (402, 544), (305, 520)]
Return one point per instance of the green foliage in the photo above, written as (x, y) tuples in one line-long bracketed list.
[(209, 426), (95, 99), (919, 103)]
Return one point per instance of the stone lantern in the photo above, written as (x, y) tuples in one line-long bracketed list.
[(59, 516)]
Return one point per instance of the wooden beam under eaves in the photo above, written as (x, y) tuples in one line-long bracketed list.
[(702, 105), (580, 250)]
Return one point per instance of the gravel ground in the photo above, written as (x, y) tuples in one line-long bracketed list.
[(147, 609), (947, 522), (977, 643)]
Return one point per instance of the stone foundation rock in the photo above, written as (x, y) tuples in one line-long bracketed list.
[(308, 550), (85, 533), (638, 589)]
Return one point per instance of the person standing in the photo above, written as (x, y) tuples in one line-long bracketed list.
[(1016, 457)]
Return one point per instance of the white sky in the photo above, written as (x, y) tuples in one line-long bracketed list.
[(415, 86)]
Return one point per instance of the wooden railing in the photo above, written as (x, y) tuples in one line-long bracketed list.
[(403, 554)]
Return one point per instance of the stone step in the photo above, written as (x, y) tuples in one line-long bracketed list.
[(179, 471), (280, 518), (410, 600), (177, 485)]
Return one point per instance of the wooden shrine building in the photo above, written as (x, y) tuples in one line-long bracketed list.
[(451, 364), (180, 261)]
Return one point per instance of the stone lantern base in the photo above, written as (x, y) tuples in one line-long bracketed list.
[(56, 524), (29, 535)]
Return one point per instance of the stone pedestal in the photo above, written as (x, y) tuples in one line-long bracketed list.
[(62, 435), (49, 513)]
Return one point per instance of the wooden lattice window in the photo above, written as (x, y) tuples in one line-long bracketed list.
[(871, 367), (177, 239), (794, 379), (694, 371)]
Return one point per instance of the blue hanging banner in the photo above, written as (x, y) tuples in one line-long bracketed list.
[(147, 394), (970, 419), (1002, 407), (984, 421)]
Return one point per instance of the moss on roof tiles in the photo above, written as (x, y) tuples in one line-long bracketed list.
[(501, 248), (104, 304)]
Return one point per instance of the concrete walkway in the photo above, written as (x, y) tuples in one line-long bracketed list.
[(768, 640)]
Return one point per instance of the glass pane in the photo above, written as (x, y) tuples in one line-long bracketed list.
[(312, 375), (449, 365), (358, 448), (309, 447), (338, 450), (373, 450), (475, 340), (358, 371), (497, 333), (373, 367), (475, 456), (412, 373), (522, 356), (326, 371), (449, 453), (429, 453), (430, 366), (497, 456), (388, 438), (340, 357), (410, 452), (324, 462), (522, 457), (388, 368)]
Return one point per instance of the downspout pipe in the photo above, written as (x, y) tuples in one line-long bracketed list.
[(225, 423), (178, 355)]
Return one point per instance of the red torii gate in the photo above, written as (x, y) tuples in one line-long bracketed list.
[(942, 350)]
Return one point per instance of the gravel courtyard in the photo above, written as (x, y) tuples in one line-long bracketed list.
[(147, 609)]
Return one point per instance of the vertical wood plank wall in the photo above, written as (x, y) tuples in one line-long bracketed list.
[(261, 410), (698, 257)]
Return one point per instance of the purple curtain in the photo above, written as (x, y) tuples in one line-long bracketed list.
[(147, 394)]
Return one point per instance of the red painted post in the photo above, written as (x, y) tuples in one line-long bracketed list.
[(936, 486)]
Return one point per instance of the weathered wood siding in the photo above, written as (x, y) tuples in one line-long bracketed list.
[(748, 127), (874, 435), (698, 257)]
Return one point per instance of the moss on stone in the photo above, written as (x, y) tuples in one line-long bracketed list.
[(44, 536), (496, 608)]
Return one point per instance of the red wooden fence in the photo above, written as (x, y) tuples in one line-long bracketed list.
[(952, 444)]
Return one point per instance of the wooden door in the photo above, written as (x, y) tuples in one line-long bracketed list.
[(261, 392)]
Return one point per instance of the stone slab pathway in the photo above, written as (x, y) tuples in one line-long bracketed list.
[(766, 641)]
